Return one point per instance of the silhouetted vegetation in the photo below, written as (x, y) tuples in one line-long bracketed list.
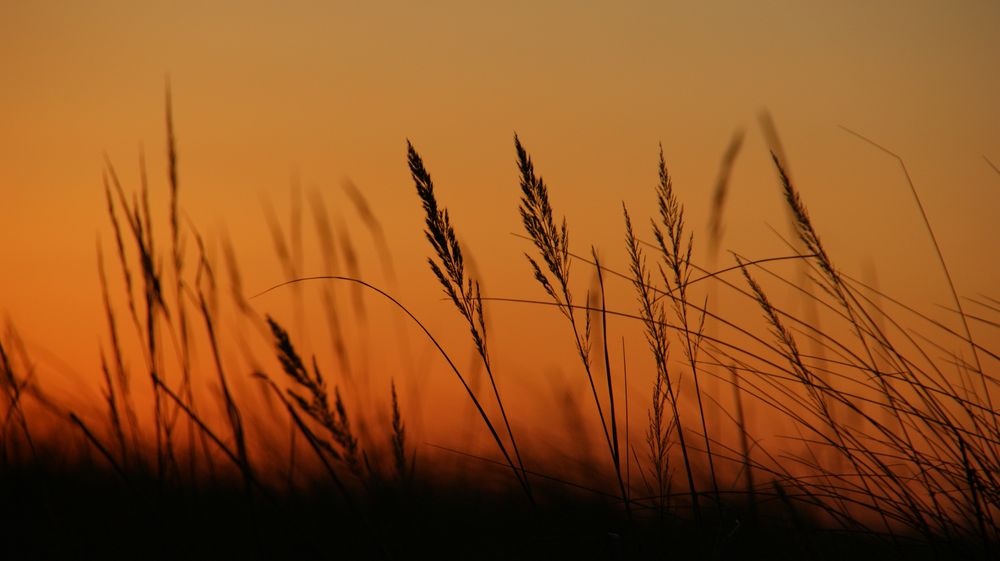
[(896, 453)]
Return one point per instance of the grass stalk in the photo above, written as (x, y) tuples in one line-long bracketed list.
[(462, 289), (655, 323)]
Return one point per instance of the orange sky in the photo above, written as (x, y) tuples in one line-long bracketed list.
[(330, 90)]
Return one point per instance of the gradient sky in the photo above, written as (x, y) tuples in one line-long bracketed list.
[(323, 91)]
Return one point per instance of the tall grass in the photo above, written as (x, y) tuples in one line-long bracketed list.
[(895, 451)]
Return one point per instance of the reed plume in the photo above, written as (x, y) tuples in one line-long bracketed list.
[(461, 289), (552, 243)]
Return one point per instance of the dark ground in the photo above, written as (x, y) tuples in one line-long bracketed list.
[(86, 512)]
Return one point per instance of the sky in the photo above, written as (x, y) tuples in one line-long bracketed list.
[(267, 95)]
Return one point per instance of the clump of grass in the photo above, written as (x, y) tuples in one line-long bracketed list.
[(464, 293), (552, 243), (917, 451), (138, 218), (913, 467), (676, 250), (654, 322), (313, 399)]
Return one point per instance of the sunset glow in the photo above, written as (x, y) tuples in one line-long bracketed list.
[(291, 127)]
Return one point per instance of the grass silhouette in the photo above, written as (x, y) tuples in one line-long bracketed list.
[(896, 453)]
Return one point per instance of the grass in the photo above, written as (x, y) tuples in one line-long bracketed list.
[(893, 451)]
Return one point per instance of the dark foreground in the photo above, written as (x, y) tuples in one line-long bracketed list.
[(85, 511)]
